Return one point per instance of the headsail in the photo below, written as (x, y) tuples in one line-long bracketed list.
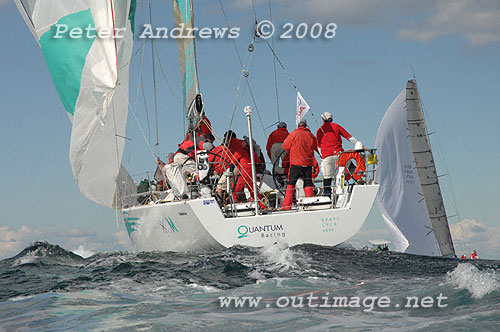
[(400, 197), (90, 74), (184, 22)]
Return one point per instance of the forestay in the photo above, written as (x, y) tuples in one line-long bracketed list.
[(90, 73)]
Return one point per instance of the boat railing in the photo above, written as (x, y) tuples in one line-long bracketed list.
[(273, 197)]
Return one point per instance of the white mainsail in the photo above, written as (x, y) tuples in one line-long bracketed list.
[(402, 198), (90, 72), (424, 162)]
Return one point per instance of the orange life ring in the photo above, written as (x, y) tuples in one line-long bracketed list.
[(360, 164)]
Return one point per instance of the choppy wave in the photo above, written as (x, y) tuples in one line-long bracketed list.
[(46, 287), (478, 282)]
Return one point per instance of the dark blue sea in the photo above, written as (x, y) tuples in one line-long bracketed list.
[(303, 288)]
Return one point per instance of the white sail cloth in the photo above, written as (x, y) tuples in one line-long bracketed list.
[(400, 199), (90, 74)]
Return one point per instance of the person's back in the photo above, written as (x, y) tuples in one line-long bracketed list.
[(274, 147), (329, 137), (301, 143)]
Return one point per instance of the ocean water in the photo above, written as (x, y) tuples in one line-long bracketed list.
[(47, 288)]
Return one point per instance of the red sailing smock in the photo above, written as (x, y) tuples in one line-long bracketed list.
[(277, 136), (301, 143), (330, 139)]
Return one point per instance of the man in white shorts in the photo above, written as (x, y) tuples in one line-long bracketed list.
[(329, 137)]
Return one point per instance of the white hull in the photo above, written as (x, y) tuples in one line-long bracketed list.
[(197, 225)]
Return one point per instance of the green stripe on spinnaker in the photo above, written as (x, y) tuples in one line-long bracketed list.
[(66, 56), (185, 8), (131, 14)]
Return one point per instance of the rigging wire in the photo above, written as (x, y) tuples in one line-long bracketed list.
[(281, 65), (239, 93), (170, 86), (274, 65), (244, 72), (443, 162), (137, 94), (154, 81), (166, 79)]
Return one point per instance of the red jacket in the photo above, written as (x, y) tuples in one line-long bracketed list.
[(187, 147), (218, 159), (330, 138), (203, 128), (277, 136), (301, 143)]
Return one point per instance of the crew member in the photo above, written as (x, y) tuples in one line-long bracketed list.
[(329, 137), (301, 145), (203, 128), (473, 255), (274, 147), (186, 153), (240, 157)]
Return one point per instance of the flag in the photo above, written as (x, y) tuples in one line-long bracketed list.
[(302, 108)]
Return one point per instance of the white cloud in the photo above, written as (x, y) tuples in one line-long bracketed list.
[(477, 236), (123, 238), (477, 21), (13, 241)]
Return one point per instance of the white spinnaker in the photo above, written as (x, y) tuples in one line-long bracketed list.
[(98, 106), (400, 197)]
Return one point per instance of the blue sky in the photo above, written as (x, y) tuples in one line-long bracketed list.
[(453, 47)]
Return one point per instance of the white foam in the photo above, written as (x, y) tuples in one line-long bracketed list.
[(84, 252), (20, 298), (478, 283), (208, 289), (280, 255), (28, 258)]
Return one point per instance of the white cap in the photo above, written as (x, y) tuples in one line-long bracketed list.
[(327, 116), (359, 146)]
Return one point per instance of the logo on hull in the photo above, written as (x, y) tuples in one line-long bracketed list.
[(265, 231), (168, 226)]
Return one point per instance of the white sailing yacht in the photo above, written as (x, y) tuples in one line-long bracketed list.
[(409, 198), (91, 75)]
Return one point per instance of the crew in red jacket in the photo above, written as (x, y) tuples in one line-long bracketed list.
[(184, 156), (301, 143), (274, 147), (330, 144), (241, 159), (204, 128)]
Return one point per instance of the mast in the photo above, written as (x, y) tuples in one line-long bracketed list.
[(248, 111), (426, 168)]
